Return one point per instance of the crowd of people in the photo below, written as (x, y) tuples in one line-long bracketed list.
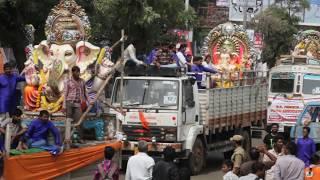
[(142, 166), (75, 99), (37, 132), (277, 159), (175, 56)]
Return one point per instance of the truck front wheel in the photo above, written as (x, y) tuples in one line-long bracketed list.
[(197, 157)]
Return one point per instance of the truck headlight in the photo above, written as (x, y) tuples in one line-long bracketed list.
[(170, 137), (153, 139), (124, 138)]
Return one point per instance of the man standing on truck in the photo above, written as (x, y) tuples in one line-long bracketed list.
[(75, 96), (8, 84), (239, 155), (197, 67), (269, 138)]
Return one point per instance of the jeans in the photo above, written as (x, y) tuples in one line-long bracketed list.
[(42, 144), (36, 144), (74, 111)]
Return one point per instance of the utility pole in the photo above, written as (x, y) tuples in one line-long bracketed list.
[(186, 8), (245, 9)]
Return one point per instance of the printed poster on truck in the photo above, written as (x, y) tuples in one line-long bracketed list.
[(284, 110)]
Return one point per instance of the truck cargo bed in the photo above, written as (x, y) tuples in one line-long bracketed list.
[(233, 107)]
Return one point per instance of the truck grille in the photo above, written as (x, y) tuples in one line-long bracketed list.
[(136, 133)]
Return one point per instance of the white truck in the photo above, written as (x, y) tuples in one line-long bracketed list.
[(293, 83), (168, 109)]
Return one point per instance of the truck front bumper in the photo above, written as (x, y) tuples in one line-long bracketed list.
[(157, 146)]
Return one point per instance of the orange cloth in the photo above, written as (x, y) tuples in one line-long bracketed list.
[(45, 166), (1, 60), (144, 122), (314, 175)]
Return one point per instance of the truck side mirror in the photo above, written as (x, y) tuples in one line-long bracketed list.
[(183, 109), (190, 103)]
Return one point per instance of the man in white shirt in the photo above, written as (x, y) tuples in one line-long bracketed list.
[(17, 127), (258, 170), (288, 166), (180, 54), (140, 166), (276, 152)]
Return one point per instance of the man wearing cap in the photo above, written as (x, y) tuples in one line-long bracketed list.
[(239, 155)]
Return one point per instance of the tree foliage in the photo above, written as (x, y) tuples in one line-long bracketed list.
[(144, 21), (278, 26)]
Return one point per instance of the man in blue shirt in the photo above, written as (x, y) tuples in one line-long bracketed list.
[(38, 131), (8, 84), (197, 67)]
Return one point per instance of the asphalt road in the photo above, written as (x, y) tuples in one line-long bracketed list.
[(212, 171)]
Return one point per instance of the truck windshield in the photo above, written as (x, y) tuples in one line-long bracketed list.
[(311, 84), (282, 82), (147, 93)]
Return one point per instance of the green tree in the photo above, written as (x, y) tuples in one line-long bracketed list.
[(145, 21), (278, 26)]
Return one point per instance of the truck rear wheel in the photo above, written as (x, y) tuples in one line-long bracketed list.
[(197, 157)]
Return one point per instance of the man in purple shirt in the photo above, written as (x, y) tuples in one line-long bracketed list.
[(38, 131), (197, 67), (8, 84), (306, 147)]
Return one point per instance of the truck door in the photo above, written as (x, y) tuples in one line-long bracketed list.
[(188, 103)]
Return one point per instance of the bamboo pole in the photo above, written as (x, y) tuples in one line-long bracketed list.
[(121, 82), (116, 67), (8, 139)]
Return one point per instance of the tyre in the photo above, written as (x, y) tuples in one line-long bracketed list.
[(196, 159)]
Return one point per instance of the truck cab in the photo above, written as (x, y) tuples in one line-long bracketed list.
[(161, 108)]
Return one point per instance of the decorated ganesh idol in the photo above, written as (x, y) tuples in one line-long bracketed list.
[(308, 44), (68, 30), (229, 48)]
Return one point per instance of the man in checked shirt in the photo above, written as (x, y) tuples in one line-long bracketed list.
[(75, 97)]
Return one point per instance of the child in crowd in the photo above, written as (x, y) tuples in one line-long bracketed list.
[(227, 167), (108, 168)]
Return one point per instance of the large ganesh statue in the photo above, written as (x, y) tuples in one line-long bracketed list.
[(229, 48), (308, 44), (67, 30)]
